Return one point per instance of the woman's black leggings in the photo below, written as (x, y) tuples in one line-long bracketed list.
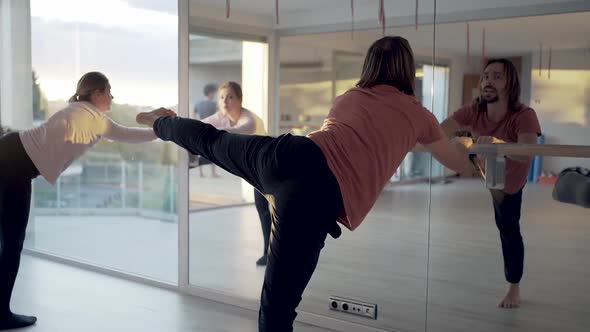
[(304, 195), (265, 219), (16, 172)]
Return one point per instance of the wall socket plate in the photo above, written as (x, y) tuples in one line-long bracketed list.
[(354, 307)]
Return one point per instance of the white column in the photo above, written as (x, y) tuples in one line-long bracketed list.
[(123, 185), (16, 93), (254, 89), (255, 78), (274, 84), (182, 179)]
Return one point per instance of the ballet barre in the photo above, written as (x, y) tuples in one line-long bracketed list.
[(495, 161), (515, 149)]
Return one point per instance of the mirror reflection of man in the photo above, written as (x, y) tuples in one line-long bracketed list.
[(208, 105), (497, 116)]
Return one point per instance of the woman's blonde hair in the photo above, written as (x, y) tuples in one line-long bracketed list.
[(234, 86), (89, 83)]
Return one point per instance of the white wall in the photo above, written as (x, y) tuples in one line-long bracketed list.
[(562, 102), (458, 68)]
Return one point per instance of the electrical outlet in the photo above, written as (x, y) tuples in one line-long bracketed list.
[(354, 307)]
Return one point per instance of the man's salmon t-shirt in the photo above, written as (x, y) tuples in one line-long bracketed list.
[(365, 137), (521, 120)]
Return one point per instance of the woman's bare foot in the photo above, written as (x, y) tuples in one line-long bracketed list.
[(148, 118), (512, 298)]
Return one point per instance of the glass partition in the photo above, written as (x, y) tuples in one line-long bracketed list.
[(384, 261), (476, 251), (225, 240), (115, 207)]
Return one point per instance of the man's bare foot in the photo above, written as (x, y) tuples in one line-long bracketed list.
[(512, 298), (148, 118)]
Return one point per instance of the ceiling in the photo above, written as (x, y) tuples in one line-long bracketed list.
[(503, 37), (395, 7), (304, 14)]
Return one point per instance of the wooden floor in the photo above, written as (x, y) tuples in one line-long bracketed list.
[(385, 261), (67, 299), (439, 274)]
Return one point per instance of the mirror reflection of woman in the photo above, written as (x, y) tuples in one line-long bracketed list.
[(234, 118)]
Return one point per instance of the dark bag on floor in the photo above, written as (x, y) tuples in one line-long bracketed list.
[(573, 186)]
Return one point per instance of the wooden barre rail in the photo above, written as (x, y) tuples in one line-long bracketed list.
[(555, 150)]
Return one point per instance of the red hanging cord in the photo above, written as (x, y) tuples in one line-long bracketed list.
[(483, 49), (277, 10), (382, 16), (416, 14), (351, 19), (540, 59), (468, 53), (549, 65)]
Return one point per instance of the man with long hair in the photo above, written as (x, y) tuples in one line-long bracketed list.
[(498, 116)]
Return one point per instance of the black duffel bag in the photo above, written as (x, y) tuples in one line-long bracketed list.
[(573, 186)]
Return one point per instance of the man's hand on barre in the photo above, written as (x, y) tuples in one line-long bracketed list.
[(523, 138), (488, 140), (463, 144), (467, 142)]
